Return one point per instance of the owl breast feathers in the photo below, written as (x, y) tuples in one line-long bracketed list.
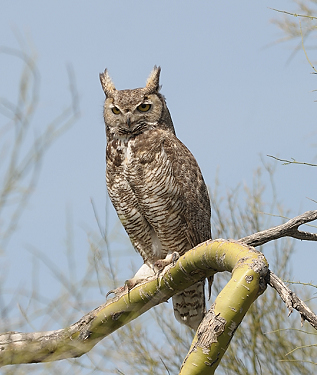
[(155, 183)]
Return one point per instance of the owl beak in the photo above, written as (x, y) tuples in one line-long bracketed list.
[(128, 121)]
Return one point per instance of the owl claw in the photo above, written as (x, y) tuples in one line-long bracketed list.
[(131, 283), (117, 291), (175, 257), (128, 285), (210, 280), (169, 259)]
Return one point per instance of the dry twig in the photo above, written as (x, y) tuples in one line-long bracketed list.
[(289, 229)]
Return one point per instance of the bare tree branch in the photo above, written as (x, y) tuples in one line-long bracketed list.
[(293, 161), (291, 300), (289, 229), (295, 14), (20, 163)]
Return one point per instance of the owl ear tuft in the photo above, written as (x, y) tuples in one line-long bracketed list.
[(106, 83), (153, 82)]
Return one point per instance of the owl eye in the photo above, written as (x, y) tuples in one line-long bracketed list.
[(115, 110), (144, 107)]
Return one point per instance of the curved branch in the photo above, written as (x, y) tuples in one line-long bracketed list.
[(221, 321), (249, 277), (248, 265)]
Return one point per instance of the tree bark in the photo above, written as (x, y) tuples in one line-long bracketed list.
[(250, 274)]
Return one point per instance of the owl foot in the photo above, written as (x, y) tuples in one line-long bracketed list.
[(117, 292), (128, 285), (131, 283), (144, 273), (169, 259), (210, 280)]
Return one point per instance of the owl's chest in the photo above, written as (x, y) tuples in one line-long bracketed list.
[(134, 158), (118, 155)]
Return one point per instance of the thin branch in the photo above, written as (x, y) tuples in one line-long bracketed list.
[(21, 171), (295, 14), (291, 300), (289, 229), (304, 49), (293, 161)]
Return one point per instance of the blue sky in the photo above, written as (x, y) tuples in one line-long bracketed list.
[(232, 95)]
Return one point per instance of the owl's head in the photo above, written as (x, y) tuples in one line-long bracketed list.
[(128, 113)]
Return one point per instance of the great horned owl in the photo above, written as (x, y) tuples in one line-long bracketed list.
[(155, 184)]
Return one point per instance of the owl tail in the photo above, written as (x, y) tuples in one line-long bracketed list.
[(189, 305)]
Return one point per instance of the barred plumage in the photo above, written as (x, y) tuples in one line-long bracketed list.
[(155, 183)]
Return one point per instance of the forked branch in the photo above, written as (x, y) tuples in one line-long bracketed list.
[(289, 229), (249, 277), (219, 324)]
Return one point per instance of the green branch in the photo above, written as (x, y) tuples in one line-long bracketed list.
[(250, 275), (248, 267), (206, 259)]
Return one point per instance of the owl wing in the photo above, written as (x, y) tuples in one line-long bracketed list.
[(170, 191), (192, 188), (162, 201), (173, 196)]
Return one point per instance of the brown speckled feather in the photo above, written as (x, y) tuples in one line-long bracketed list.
[(155, 183)]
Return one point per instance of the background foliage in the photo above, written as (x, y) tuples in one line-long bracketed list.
[(266, 342)]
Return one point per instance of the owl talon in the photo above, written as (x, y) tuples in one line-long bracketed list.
[(131, 283), (210, 280), (128, 285), (116, 291), (169, 259), (175, 257), (159, 265)]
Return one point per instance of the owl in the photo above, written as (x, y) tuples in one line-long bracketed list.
[(155, 184)]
